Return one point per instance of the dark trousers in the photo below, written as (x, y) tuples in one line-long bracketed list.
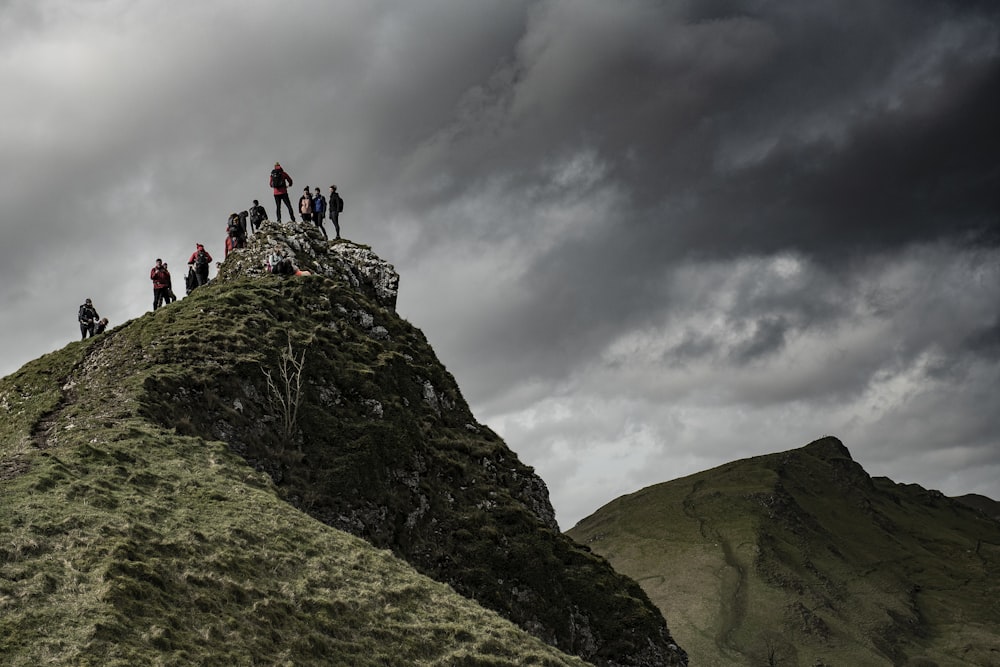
[(86, 328), (318, 219), (335, 218), (160, 294), (288, 202), (202, 273)]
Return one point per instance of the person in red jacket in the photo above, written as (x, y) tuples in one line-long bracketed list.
[(200, 259), (161, 284), (280, 181)]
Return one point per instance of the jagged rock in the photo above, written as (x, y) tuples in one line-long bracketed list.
[(341, 259)]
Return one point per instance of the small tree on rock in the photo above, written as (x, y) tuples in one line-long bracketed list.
[(285, 387)]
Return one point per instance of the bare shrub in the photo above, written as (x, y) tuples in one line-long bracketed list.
[(285, 387)]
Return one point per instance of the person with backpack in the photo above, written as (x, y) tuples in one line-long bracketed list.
[(280, 181), (257, 216), (201, 259), (306, 205), (161, 283), (319, 211), (242, 237), (236, 233), (101, 325), (87, 315), (336, 206)]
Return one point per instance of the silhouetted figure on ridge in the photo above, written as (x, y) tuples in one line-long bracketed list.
[(191, 279), (257, 216), (319, 211), (87, 315), (280, 182), (336, 207)]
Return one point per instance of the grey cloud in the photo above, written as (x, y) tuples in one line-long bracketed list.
[(729, 217)]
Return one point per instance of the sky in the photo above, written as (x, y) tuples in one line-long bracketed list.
[(647, 237)]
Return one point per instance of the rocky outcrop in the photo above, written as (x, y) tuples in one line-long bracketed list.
[(341, 259), (383, 444)]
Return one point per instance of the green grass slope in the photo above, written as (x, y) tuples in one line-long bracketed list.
[(121, 544), (162, 496), (801, 558)]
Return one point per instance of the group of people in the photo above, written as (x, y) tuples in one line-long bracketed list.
[(197, 275), (313, 207)]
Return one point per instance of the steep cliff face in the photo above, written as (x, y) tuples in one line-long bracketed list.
[(316, 381)]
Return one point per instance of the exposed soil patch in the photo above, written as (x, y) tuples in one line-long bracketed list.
[(12, 467)]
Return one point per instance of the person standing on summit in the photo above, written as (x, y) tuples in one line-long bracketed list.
[(281, 181), (335, 205), (319, 211), (306, 205)]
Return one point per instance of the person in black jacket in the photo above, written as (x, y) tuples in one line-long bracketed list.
[(335, 205), (88, 318), (257, 216), (191, 279), (319, 210)]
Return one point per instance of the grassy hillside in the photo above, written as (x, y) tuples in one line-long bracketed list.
[(121, 544), (165, 500), (800, 558)]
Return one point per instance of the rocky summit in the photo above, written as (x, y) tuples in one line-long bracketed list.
[(278, 470)]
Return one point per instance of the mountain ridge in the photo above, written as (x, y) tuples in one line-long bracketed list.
[(801, 558), (339, 409)]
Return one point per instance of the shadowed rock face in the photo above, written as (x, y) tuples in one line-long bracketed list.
[(385, 447)]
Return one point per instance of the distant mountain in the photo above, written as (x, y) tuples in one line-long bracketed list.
[(176, 491), (801, 558), (987, 506)]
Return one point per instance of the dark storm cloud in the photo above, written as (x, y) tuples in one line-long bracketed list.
[(647, 236), (726, 130)]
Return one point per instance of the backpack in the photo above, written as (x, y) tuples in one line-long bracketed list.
[(277, 178), (201, 259), (340, 203), (255, 215)]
